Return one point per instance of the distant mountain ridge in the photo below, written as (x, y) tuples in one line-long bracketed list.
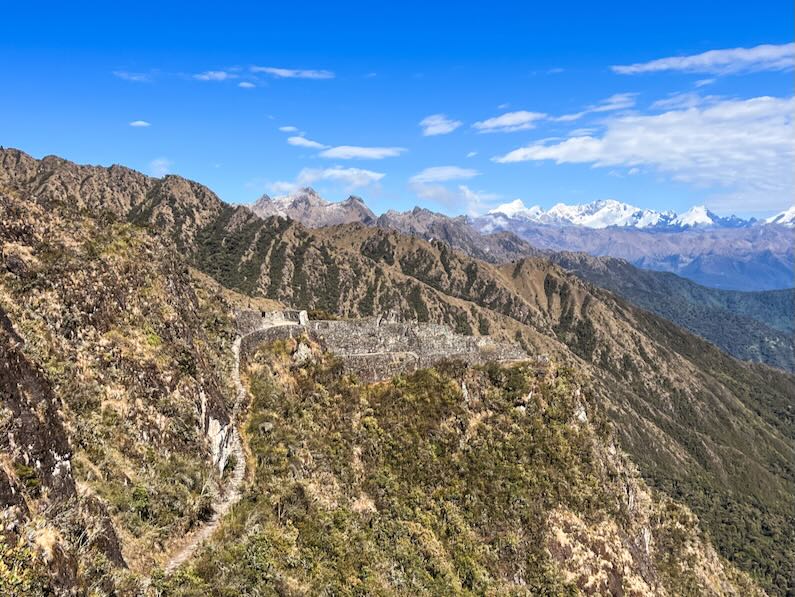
[(608, 213), (306, 206), (752, 326), (719, 252)]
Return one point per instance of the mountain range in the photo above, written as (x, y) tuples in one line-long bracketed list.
[(601, 214), (116, 290), (727, 253), (608, 213), (761, 322)]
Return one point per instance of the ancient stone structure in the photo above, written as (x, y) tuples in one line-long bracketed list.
[(374, 347), (249, 321)]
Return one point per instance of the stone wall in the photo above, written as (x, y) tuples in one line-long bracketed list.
[(249, 321), (250, 342), (373, 347)]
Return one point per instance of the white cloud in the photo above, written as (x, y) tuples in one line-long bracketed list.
[(350, 178), (290, 73), (704, 82), (426, 185), (442, 174), (134, 77), (282, 187), (160, 166), (246, 85), (509, 122), (352, 152), (744, 148), (681, 101), (459, 197), (300, 141), (766, 57), (472, 154), (215, 75), (618, 101), (288, 129), (438, 124), (140, 123)]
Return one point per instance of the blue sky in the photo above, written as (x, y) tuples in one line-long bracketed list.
[(524, 101)]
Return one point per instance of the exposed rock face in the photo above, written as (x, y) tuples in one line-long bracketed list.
[(309, 208), (38, 499)]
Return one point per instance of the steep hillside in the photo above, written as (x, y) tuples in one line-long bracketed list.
[(451, 480), (701, 426), (752, 326), (114, 397)]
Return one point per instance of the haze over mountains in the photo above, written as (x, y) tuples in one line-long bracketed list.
[(728, 253)]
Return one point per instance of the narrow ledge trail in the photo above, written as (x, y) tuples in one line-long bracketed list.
[(233, 488)]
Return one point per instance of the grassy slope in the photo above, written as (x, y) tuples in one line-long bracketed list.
[(753, 326), (409, 487), (132, 345)]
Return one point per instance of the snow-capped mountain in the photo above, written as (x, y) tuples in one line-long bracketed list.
[(517, 209), (597, 214), (785, 218), (698, 216), (603, 214), (606, 214)]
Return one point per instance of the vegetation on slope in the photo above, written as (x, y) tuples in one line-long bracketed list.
[(446, 481), (752, 326), (129, 361)]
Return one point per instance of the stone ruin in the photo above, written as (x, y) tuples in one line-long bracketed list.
[(375, 347)]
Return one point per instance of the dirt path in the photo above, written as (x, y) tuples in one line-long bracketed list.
[(232, 490), (231, 493)]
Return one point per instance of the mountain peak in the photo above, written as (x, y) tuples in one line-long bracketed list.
[(517, 208), (308, 207), (785, 218), (697, 215)]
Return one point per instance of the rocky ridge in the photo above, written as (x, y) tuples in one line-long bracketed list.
[(306, 206)]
